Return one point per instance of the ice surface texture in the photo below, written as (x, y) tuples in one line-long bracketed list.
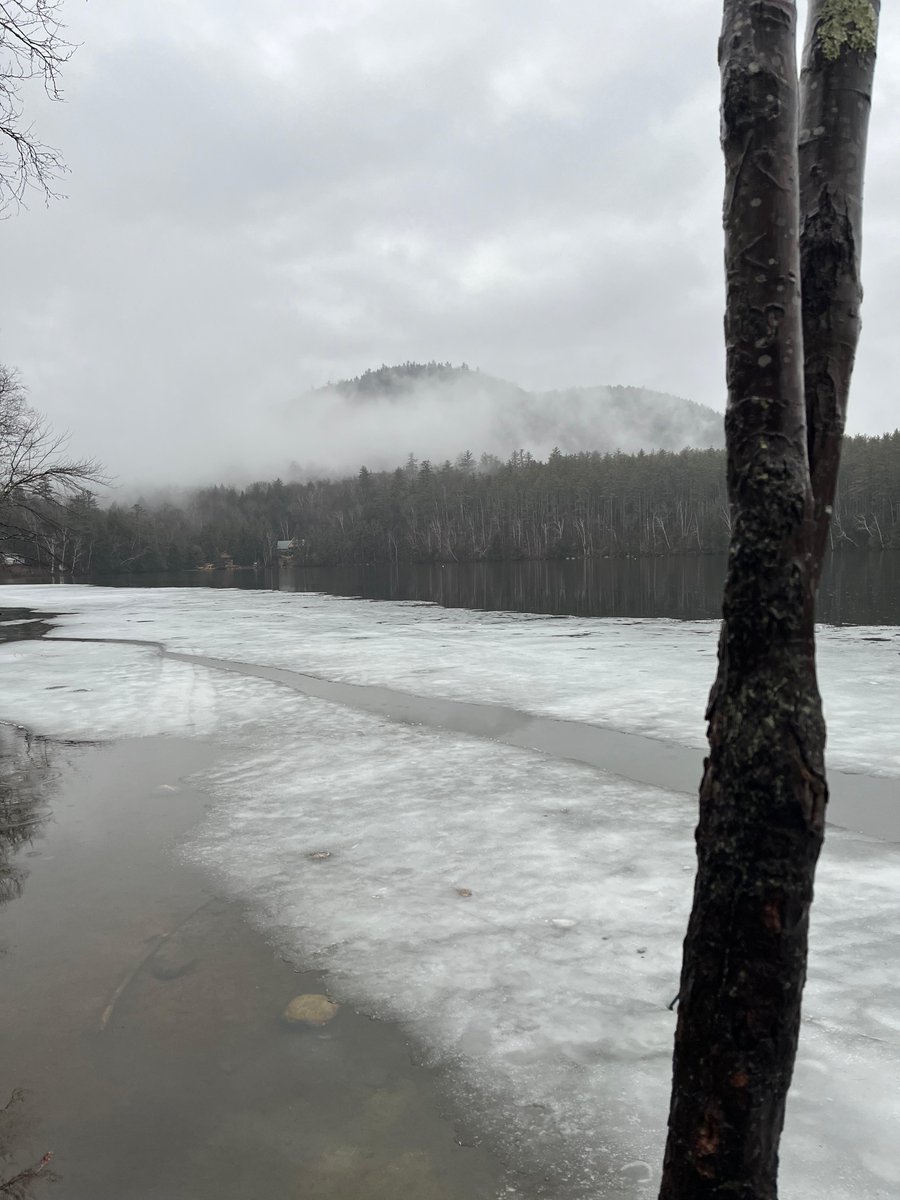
[(645, 676), (544, 990)]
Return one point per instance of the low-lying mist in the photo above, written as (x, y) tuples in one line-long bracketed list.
[(437, 412), (433, 411)]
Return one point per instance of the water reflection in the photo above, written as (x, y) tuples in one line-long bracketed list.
[(861, 589), (857, 588), (21, 624), (652, 587), (27, 777)]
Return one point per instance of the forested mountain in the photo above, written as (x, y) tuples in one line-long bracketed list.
[(432, 406), (569, 505)]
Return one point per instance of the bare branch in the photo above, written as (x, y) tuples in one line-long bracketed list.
[(32, 46), (18, 1185)]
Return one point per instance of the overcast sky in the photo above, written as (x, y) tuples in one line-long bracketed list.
[(265, 196)]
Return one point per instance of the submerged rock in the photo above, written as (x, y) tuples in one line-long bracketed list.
[(310, 1009), (637, 1171)]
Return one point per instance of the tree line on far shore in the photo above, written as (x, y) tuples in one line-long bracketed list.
[(570, 506)]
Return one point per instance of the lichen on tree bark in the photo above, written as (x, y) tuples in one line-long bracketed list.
[(847, 23)]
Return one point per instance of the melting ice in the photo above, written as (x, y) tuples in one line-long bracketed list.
[(644, 676), (521, 916)]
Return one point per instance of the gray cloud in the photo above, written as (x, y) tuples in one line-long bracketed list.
[(263, 199)]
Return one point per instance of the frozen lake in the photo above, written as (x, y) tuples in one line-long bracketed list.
[(521, 914)]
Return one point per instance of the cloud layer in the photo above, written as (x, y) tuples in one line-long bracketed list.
[(262, 199)]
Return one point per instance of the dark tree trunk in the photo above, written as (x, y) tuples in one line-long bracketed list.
[(835, 100), (763, 793)]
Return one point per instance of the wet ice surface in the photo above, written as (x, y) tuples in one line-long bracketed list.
[(94, 691), (643, 676), (522, 916)]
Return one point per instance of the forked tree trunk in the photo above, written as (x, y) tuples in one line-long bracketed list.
[(763, 793)]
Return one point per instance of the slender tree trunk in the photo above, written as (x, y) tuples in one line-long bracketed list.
[(835, 101), (763, 793)]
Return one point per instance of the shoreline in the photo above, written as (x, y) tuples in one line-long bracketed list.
[(142, 1018)]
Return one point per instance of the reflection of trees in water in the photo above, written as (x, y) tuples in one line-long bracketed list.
[(858, 588), (20, 1183), (27, 777), (26, 625), (27, 780)]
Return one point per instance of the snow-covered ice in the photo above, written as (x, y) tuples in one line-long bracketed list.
[(646, 676), (521, 916), (91, 692)]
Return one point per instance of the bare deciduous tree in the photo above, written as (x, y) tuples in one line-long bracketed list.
[(38, 479), (32, 47), (792, 242)]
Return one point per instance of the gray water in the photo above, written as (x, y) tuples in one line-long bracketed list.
[(141, 1016), (858, 588)]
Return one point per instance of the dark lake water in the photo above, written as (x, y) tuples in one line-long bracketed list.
[(857, 589)]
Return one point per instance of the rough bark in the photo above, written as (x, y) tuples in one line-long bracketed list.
[(763, 794), (835, 101)]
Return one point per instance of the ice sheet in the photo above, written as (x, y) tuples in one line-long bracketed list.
[(644, 676), (544, 991), (98, 692)]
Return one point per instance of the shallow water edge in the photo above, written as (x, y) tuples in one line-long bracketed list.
[(142, 1015)]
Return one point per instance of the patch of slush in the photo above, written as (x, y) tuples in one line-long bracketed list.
[(644, 676), (521, 916)]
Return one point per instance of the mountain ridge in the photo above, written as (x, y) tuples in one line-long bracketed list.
[(498, 415)]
